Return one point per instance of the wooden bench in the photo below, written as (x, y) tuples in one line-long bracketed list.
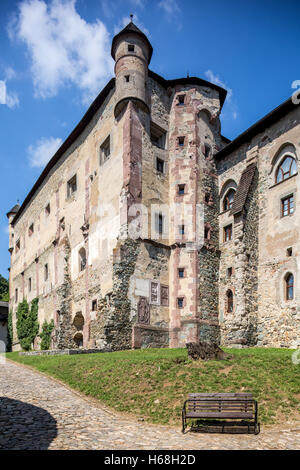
[(233, 406)]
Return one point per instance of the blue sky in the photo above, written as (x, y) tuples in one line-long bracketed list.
[(55, 57)]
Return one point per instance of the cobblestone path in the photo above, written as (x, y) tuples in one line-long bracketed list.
[(39, 413)]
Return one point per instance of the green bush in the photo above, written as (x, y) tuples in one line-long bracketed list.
[(27, 324), (45, 335), (4, 296)]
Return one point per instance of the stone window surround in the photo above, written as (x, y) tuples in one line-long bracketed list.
[(287, 268), (223, 231), (229, 288), (165, 173), (183, 302), (286, 286), (100, 145), (286, 194)]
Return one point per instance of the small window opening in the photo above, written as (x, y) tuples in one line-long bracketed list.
[(206, 150), (227, 233), (181, 229), (180, 302), (160, 164), (157, 136), (94, 305), (82, 259), (46, 272), (207, 233), (16, 295), (181, 272), (72, 186), (181, 100), (229, 272), (31, 230), (29, 284), (181, 141), (127, 78), (47, 209), (105, 151), (289, 286), (18, 246), (130, 48), (229, 301), (181, 189), (289, 252)]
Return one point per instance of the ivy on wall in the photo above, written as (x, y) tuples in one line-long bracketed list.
[(45, 335), (27, 324)]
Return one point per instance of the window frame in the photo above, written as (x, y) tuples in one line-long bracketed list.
[(289, 172), (225, 232), (71, 184), (227, 205), (289, 284), (290, 206), (229, 301), (105, 147)]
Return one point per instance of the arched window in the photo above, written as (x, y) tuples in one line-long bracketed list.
[(289, 286), (82, 259), (229, 301), (228, 200), (287, 168)]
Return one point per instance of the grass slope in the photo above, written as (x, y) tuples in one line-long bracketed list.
[(154, 383)]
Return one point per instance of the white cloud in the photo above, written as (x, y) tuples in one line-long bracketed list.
[(9, 98), (43, 150), (229, 103), (64, 48), (170, 7)]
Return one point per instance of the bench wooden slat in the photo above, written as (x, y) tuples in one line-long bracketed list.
[(222, 414)]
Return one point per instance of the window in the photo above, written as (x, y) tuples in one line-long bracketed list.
[(180, 100), (127, 78), (206, 150), (16, 295), (287, 168), (46, 272), (229, 301), (157, 135), (94, 305), (207, 198), (229, 272), (130, 48), (47, 210), (180, 302), (31, 230), (82, 259), (207, 232), (105, 151), (29, 284), (181, 272), (180, 141), (228, 200), (227, 233), (18, 245), (289, 252), (181, 229), (160, 164), (287, 205), (72, 186), (181, 189), (289, 287), (159, 223)]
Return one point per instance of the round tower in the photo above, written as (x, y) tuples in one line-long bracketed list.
[(132, 53)]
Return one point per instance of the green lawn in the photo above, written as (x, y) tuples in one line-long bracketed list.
[(154, 383)]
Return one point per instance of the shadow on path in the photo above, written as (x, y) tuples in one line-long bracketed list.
[(25, 426)]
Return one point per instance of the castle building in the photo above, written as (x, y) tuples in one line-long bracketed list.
[(148, 228)]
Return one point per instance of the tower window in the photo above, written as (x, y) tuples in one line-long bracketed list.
[(227, 233), (31, 230), (181, 272), (181, 100), (127, 78), (181, 189), (229, 301), (94, 305), (229, 272), (82, 259), (16, 295), (289, 252), (207, 233), (157, 136), (72, 186), (47, 209), (160, 164), (180, 301), (130, 48), (181, 229), (18, 246), (46, 272), (289, 287), (105, 151), (287, 205), (206, 150), (180, 141), (159, 223), (29, 284)]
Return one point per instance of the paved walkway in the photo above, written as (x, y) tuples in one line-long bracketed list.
[(39, 413)]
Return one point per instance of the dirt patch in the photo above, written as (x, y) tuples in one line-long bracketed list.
[(225, 370)]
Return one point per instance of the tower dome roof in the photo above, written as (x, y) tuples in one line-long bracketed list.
[(131, 28)]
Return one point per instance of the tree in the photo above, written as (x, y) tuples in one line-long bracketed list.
[(45, 335), (27, 324), (4, 286)]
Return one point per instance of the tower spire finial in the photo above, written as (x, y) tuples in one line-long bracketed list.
[(131, 17)]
